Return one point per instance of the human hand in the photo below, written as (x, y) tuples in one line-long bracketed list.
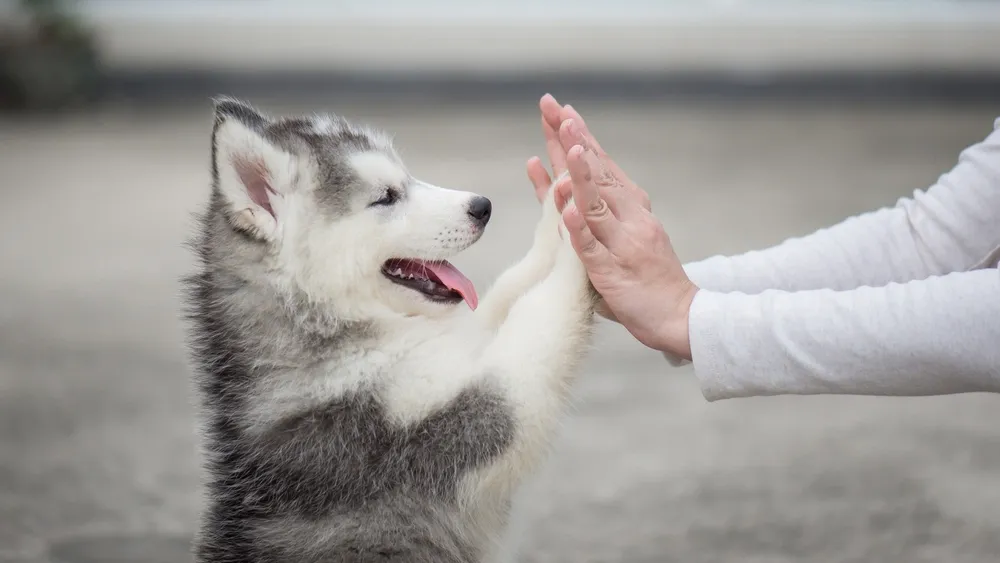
[(553, 114), (539, 176), (627, 253)]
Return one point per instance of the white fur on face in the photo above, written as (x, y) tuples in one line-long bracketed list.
[(378, 170), (342, 259), (429, 222), (432, 223)]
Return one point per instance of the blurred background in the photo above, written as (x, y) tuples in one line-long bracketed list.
[(748, 122)]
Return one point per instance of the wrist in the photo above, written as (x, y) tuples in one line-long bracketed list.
[(675, 335)]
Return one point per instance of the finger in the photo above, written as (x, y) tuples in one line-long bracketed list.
[(550, 130), (551, 111), (569, 112), (571, 136), (621, 194), (607, 183), (554, 149), (539, 177), (594, 255), (564, 192), (640, 195), (587, 198)]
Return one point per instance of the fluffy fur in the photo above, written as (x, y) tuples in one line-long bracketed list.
[(348, 418)]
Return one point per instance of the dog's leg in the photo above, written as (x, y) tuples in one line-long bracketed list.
[(535, 356), (533, 359), (514, 282)]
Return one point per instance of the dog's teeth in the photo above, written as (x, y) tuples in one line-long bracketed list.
[(398, 272)]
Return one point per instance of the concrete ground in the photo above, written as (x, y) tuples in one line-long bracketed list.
[(98, 457)]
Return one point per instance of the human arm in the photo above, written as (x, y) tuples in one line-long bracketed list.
[(951, 227), (932, 336), (939, 335)]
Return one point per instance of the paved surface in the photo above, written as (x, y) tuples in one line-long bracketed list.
[(98, 459)]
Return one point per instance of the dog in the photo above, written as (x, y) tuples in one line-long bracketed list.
[(358, 403)]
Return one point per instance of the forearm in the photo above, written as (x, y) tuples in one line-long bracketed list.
[(951, 227), (871, 249), (935, 336)]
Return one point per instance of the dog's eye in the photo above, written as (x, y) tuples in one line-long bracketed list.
[(390, 197)]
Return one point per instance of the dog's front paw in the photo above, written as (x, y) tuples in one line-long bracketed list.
[(568, 260), (549, 230)]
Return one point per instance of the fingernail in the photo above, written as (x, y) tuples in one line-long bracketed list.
[(571, 127)]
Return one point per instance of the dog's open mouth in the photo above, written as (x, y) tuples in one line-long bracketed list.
[(438, 280)]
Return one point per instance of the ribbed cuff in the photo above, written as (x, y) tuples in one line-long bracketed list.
[(715, 320)]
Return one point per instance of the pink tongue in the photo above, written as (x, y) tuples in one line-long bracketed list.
[(455, 280)]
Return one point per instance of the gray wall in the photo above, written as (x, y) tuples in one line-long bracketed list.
[(515, 36)]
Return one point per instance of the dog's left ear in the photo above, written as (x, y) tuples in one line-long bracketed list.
[(253, 175)]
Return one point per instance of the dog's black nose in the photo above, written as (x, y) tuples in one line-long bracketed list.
[(480, 209)]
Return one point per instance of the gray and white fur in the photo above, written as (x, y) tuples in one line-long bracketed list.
[(348, 418)]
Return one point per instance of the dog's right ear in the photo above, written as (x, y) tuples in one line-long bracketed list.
[(253, 174)]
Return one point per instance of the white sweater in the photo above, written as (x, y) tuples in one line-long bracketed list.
[(900, 301)]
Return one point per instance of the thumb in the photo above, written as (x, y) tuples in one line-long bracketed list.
[(592, 253)]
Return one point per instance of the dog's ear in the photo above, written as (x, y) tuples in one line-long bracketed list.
[(252, 174)]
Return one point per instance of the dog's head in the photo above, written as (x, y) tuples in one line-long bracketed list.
[(328, 210)]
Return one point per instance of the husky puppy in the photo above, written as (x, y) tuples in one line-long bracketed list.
[(355, 409)]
